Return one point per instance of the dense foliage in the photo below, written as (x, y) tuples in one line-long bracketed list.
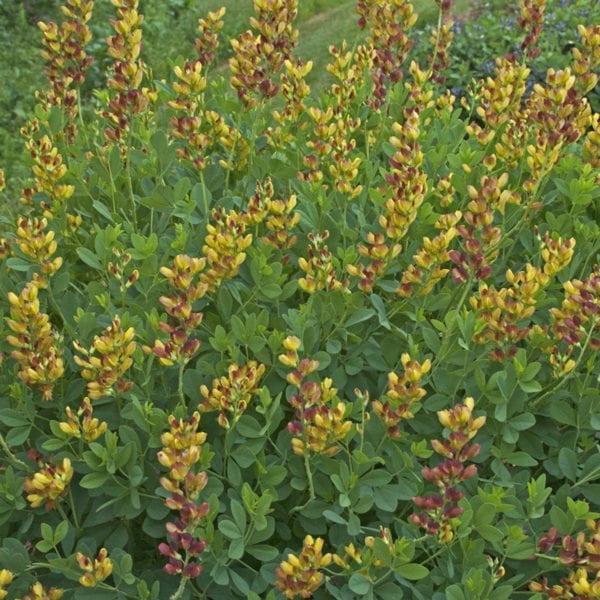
[(262, 343)]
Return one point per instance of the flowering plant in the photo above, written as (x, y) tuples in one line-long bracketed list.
[(263, 343)]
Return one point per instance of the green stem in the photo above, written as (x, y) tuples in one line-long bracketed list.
[(16, 461), (73, 511), (180, 385), (179, 592)]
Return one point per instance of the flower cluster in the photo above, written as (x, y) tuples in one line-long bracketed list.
[(499, 108), (207, 42), (82, 424), (388, 24), (582, 555), (258, 57), (320, 422), (232, 394), (38, 592), (48, 169), (575, 323), (319, 268), (428, 268), (49, 484), (333, 144), (200, 129), (117, 270), (38, 351), (405, 191), (559, 115), (67, 60), (224, 247), (6, 578), (279, 215), (127, 71), (301, 576), (375, 548), (531, 21), (479, 236), (441, 39), (500, 313), (402, 392), (588, 59), (96, 570), (180, 347), (108, 359), (182, 448), (342, 158), (440, 508), (294, 91), (38, 244)]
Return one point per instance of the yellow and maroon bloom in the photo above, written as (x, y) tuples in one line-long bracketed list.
[(319, 268), (439, 509), (67, 60), (582, 554), (49, 484), (260, 54), (38, 592), (182, 448), (388, 25), (402, 392), (35, 242), (95, 570), (128, 97), (82, 424), (300, 575), (107, 361), (38, 351), (48, 169), (232, 394), (320, 422)]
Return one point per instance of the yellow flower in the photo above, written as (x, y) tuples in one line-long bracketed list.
[(48, 484), (94, 571), (300, 575)]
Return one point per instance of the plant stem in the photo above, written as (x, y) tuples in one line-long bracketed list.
[(179, 592), (16, 461)]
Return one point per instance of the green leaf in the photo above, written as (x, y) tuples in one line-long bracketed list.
[(522, 422), (239, 515), (239, 582), (229, 529), (18, 264), (12, 418), (94, 480), (263, 552), (567, 461), (61, 531), (362, 314), (359, 584), (18, 435), (520, 459), (484, 515), (89, 258), (412, 571), (334, 517), (236, 548), (489, 533), (379, 306)]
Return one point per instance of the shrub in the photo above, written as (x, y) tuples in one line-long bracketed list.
[(261, 344)]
